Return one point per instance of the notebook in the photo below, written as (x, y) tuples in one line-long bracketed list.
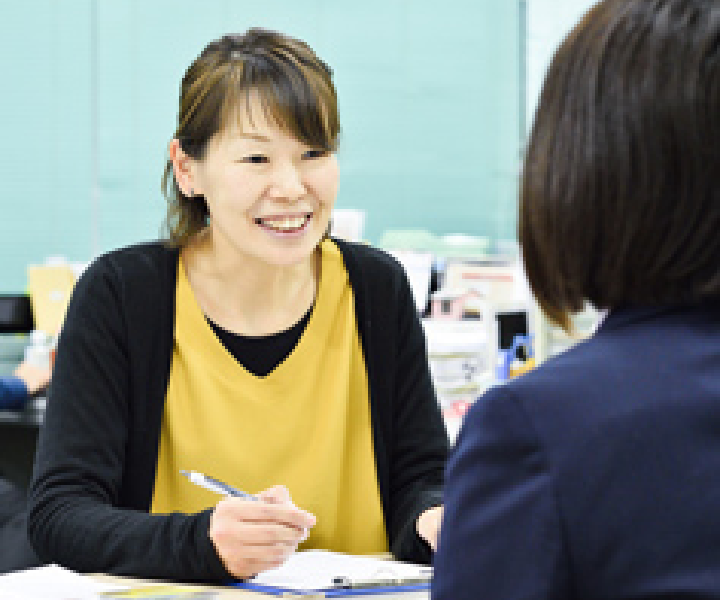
[(337, 574)]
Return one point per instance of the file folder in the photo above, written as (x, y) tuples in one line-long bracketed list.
[(333, 593), (325, 574)]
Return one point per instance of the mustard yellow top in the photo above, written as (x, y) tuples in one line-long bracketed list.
[(306, 425)]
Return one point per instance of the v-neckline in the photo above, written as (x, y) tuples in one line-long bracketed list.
[(193, 317)]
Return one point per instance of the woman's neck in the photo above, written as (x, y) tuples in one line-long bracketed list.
[(245, 295)]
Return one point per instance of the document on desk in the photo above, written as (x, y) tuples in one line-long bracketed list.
[(337, 574), (51, 582)]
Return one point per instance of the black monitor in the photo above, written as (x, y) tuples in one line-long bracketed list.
[(16, 314), (509, 324)]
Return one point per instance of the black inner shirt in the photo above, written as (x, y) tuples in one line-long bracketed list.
[(260, 355)]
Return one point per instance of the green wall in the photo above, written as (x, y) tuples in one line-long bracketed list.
[(430, 102)]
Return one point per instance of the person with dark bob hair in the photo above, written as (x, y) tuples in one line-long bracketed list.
[(597, 475), (248, 346)]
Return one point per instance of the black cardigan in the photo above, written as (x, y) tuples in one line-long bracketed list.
[(95, 466)]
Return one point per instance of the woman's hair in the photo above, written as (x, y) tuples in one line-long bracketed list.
[(620, 197), (293, 85)]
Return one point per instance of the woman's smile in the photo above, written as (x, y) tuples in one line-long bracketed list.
[(285, 225)]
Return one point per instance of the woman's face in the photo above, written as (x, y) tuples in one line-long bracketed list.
[(268, 194)]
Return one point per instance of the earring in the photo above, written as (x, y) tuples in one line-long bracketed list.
[(191, 194)]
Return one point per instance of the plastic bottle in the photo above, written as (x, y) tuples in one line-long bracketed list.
[(37, 352)]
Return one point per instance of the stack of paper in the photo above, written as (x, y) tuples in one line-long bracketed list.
[(51, 582), (314, 570)]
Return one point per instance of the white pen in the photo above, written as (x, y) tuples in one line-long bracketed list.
[(217, 486), (220, 487)]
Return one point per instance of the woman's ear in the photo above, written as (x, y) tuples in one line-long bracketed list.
[(182, 168)]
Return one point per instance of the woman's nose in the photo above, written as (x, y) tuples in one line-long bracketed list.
[(288, 183)]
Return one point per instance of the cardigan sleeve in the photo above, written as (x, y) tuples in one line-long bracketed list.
[(418, 443), (502, 534), (13, 393), (76, 517)]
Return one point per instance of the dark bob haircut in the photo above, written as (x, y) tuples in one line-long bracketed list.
[(620, 197), (296, 93)]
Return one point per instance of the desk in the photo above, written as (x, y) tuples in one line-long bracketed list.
[(225, 593), (19, 433)]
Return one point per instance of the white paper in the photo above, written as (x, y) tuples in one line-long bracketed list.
[(418, 268), (319, 569), (51, 582)]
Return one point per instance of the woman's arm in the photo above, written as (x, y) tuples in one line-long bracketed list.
[(13, 393), (419, 447), (26, 380), (78, 515)]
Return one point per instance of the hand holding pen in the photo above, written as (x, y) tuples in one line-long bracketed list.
[(258, 535)]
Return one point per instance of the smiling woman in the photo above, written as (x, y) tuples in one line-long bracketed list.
[(285, 85), (269, 194), (226, 347)]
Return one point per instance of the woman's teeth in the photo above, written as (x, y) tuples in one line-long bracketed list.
[(285, 223)]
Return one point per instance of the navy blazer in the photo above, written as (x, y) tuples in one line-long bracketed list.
[(595, 476)]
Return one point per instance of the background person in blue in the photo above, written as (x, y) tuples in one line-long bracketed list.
[(248, 346), (15, 551), (26, 380), (598, 474)]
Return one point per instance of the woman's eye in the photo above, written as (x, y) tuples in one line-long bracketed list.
[(315, 154), (255, 159)]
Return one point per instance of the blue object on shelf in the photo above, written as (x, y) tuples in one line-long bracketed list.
[(508, 356)]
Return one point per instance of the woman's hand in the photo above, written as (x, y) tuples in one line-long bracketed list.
[(35, 378), (251, 537), (428, 525)]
